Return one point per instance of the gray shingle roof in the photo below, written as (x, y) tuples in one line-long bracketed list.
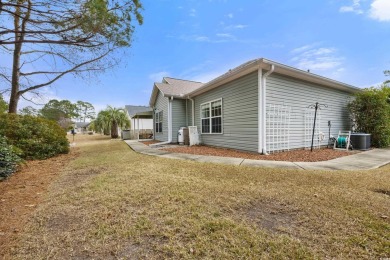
[(133, 110), (177, 87), (82, 124)]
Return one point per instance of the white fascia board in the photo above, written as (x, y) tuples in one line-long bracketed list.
[(153, 96), (176, 96)]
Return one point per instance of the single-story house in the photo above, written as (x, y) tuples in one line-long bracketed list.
[(82, 127), (260, 106), (141, 118)]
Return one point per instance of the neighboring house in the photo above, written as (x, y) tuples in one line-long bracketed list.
[(82, 127), (141, 118), (260, 106)]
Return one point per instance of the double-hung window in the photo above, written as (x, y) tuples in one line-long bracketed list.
[(211, 117), (159, 120)]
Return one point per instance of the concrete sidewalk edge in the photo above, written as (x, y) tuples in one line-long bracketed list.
[(368, 160)]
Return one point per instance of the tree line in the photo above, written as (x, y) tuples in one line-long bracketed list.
[(61, 111), (107, 121)]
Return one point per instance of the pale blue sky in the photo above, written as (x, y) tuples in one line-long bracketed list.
[(346, 40)]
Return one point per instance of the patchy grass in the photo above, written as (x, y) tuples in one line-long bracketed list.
[(112, 203)]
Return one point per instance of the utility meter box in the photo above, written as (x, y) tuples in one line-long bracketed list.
[(182, 136)]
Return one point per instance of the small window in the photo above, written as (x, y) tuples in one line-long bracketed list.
[(158, 121), (211, 117), (205, 118)]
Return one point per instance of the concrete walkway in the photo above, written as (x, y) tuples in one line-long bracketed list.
[(362, 161)]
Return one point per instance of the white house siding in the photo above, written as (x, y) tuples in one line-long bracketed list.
[(178, 117), (282, 90), (143, 124), (239, 114), (161, 105)]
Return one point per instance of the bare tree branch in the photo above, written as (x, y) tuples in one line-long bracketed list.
[(63, 73), (49, 39)]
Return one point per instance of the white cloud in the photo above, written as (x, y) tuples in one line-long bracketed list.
[(210, 70), (157, 77), (197, 69), (207, 76), (309, 57), (230, 15), (201, 38), (354, 7), (193, 12), (236, 26), (380, 10), (220, 38), (225, 35), (303, 48)]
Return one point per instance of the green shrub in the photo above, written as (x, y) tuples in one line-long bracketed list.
[(36, 137), (9, 159), (371, 112)]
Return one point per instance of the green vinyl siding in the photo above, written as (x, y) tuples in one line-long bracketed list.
[(161, 105), (178, 117), (282, 90), (239, 114)]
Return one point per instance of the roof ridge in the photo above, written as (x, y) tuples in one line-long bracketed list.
[(184, 80)]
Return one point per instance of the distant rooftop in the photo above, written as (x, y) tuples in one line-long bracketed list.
[(82, 124), (133, 110)]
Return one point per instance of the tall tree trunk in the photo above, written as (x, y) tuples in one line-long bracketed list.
[(114, 129), (13, 102), (14, 99), (106, 131), (20, 29)]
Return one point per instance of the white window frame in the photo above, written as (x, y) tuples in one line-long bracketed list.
[(160, 121), (210, 117)]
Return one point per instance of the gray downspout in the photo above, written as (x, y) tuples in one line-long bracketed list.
[(154, 122), (186, 112), (264, 107), (192, 111)]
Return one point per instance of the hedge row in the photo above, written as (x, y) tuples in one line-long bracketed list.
[(9, 158), (37, 138)]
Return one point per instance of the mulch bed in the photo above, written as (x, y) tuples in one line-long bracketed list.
[(317, 155), (22, 192)]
